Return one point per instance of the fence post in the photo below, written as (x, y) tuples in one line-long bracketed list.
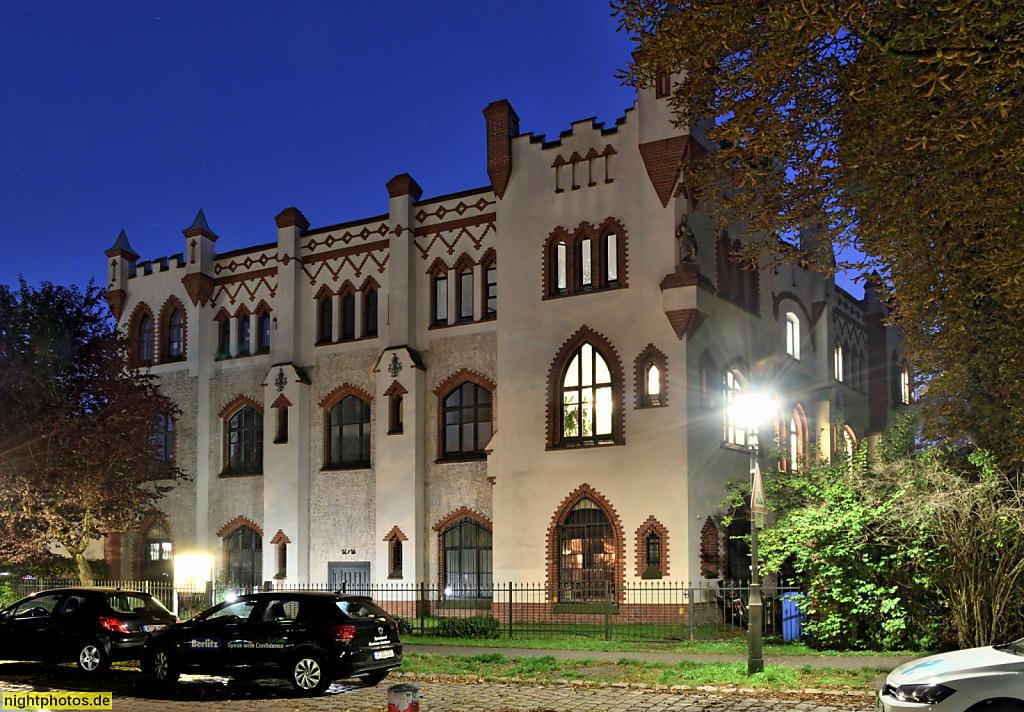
[(423, 607), (510, 610), (607, 610), (689, 608), (209, 594)]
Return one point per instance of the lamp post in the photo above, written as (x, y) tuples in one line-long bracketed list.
[(753, 408)]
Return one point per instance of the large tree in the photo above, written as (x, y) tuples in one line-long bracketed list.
[(77, 452), (894, 127)]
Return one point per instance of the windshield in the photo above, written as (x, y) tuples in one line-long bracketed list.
[(1016, 647), (362, 610)]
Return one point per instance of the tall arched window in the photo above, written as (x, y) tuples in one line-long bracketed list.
[(157, 554), (586, 553), (561, 278), (348, 316), (467, 560), (735, 432), (586, 260), (838, 358), (163, 439), (175, 335), (326, 319), (245, 441), (244, 565), (224, 341), (370, 312), (467, 421), (466, 293), (244, 324), (349, 433), (586, 398), (611, 263), (793, 335), (145, 340), (263, 336)]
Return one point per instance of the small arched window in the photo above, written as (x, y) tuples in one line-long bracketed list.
[(175, 335), (349, 433), (586, 266), (224, 341), (652, 385), (793, 335), (145, 340), (466, 293), (244, 324), (263, 336), (587, 399), (611, 250), (245, 442), (370, 312), (838, 357)]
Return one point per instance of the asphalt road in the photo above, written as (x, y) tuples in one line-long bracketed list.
[(133, 691)]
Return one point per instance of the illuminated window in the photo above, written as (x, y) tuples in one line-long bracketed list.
[(158, 554), (611, 258), (562, 279), (586, 274), (905, 385), (793, 335), (586, 553), (838, 361), (735, 434), (586, 397), (175, 335), (467, 550)]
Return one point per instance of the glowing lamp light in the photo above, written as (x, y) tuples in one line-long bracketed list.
[(750, 409), (230, 597), (448, 591), (192, 571)]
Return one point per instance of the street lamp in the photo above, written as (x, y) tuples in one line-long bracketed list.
[(750, 410)]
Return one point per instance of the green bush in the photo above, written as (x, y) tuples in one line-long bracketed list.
[(7, 594), (470, 627), (404, 625)]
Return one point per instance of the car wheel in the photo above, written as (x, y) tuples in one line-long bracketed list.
[(309, 675), (999, 706), (375, 678), (164, 667), (92, 658)]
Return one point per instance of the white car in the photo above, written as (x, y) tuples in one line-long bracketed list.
[(983, 679)]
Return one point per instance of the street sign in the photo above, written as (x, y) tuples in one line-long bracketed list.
[(757, 504)]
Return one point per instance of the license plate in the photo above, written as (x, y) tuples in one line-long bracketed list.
[(151, 628), (383, 654)]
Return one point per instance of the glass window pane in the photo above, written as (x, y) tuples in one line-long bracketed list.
[(586, 361), (603, 420), (603, 374), (653, 381), (466, 302), (561, 265), (585, 261), (572, 374), (613, 258), (441, 296)]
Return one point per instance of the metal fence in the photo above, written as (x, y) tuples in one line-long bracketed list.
[(646, 610)]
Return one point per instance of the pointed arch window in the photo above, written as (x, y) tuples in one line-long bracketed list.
[(587, 398), (586, 553), (145, 340), (325, 322), (838, 364), (370, 312), (611, 258), (244, 324), (224, 341), (586, 263), (348, 316), (491, 290), (561, 278), (466, 293), (263, 334), (349, 433), (175, 335)]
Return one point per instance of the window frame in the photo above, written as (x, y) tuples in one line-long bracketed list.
[(144, 337), (255, 443), (584, 588), (733, 384), (264, 325), (338, 461), (477, 452), (793, 335), (483, 561), (325, 319), (370, 312), (234, 557)]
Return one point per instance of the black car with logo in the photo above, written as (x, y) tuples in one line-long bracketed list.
[(310, 638), (92, 626)]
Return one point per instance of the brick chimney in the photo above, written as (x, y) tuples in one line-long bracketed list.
[(502, 126)]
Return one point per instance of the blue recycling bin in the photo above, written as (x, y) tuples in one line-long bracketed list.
[(792, 617)]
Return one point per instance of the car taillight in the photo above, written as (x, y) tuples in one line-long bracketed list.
[(342, 633), (113, 624)]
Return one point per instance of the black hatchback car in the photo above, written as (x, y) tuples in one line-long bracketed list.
[(93, 626), (308, 638)]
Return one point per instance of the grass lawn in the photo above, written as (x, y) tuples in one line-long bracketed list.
[(548, 668), (737, 645)]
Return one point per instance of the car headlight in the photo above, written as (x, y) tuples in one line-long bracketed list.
[(925, 694)]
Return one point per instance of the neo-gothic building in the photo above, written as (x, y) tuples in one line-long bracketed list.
[(521, 382)]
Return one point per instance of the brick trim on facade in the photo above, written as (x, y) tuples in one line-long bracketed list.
[(710, 550), (598, 259), (651, 526), (584, 491), (554, 384), (650, 355)]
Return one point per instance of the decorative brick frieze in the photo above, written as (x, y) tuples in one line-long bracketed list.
[(685, 322), (651, 526)]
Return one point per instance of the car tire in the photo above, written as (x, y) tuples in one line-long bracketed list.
[(999, 706), (92, 658), (309, 674), (374, 679), (164, 666)]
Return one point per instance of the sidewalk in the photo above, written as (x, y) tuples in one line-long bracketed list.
[(845, 662)]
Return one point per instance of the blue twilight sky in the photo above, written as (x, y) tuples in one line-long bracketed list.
[(134, 114)]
